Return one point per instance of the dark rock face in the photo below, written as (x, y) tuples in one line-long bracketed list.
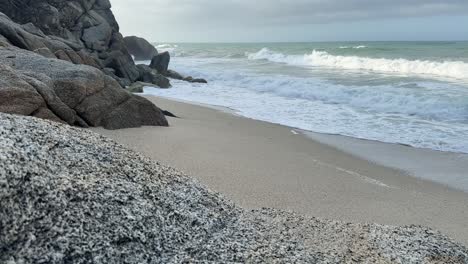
[(169, 114), (175, 75), (31, 38), (198, 80), (150, 75), (79, 31), (34, 34), (31, 84), (140, 48), (160, 62)]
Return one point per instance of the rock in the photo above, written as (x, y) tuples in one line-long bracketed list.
[(198, 80), (122, 81), (140, 48), (120, 60), (77, 94), (150, 75), (19, 37), (31, 38), (17, 96), (4, 42), (137, 87), (45, 113), (69, 195), (62, 55), (85, 30), (174, 75), (43, 85), (167, 113), (98, 37), (160, 62), (83, 33)]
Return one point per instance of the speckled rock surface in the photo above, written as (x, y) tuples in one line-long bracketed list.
[(68, 195)]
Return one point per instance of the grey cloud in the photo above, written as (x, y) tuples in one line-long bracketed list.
[(291, 11), (141, 16)]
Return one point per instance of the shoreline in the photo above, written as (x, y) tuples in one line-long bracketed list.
[(259, 164), (446, 168), (440, 167)]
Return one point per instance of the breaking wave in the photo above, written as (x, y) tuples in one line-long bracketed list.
[(353, 47), (450, 69)]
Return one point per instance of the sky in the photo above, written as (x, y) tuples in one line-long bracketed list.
[(292, 20)]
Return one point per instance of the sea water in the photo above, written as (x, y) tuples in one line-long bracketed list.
[(412, 93)]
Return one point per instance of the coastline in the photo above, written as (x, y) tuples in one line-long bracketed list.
[(259, 164), (446, 168)]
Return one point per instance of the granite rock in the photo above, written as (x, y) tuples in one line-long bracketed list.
[(68, 195)]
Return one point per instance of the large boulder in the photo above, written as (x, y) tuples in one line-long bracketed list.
[(140, 48), (31, 84), (79, 31), (160, 62)]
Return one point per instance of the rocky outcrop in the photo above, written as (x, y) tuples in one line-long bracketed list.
[(69, 195), (160, 62), (150, 75), (66, 61), (80, 31), (31, 84), (140, 48), (31, 38), (175, 75)]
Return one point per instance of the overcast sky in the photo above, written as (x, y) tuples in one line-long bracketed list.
[(292, 20)]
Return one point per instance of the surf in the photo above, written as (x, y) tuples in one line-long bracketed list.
[(445, 69)]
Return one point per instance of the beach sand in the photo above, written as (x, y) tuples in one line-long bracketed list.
[(259, 164)]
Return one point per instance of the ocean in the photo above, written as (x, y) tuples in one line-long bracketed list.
[(411, 93)]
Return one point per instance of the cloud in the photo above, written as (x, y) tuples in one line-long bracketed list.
[(213, 15), (289, 11)]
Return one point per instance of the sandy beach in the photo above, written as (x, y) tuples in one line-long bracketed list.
[(259, 164)]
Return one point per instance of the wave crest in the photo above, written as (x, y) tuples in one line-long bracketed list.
[(450, 69), (166, 47), (354, 47)]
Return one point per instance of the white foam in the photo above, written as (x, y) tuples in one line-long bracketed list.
[(450, 69), (353, 47), (166, 47), (429, 115)]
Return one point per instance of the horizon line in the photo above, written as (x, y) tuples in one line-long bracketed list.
[(281, 42)]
